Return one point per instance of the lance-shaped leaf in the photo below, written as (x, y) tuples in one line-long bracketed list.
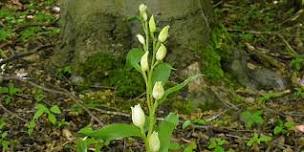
[(112, 132), (166, 129), (179, 86)]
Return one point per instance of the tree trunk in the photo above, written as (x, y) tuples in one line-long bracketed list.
[(97, 34)]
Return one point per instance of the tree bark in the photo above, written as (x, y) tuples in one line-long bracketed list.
[(96, 26), (97, 34)]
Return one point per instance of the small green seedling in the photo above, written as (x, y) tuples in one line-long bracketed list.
[(39, 95), (40, 110), (299, 92), (4, 142), (9, 92), (252, 118), (258, 139), (216, 144), (64, 72), (283, 127), (84, 144)]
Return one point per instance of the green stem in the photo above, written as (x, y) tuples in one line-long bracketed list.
[(145, 139), (156, 45), (149, 84)]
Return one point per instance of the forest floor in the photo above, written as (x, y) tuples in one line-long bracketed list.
[(42, 111)]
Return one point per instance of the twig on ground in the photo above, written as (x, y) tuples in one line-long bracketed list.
[(291, 50), (5, 44), (21, 55), (12, 113)]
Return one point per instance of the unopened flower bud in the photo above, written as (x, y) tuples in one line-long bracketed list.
[(154, 143), (152, 24), (138, 116), (158, 90), (163, 35), (142, 8), (141, 39), (161, 52), (144, 62), (143, 11)]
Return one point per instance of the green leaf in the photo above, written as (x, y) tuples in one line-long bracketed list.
[(133, 58), (278, 129), (82, 146), (174, 146), (216, 142), (12, 90), (52, 118), (161, 73), (265, 139), (112, 132), (166, 128), (190, 147), (55, 109), (40, 110), (31, 125), (219, 149), (3, 90), (289, 125), (252, 118), (186, 124), (2, 123), (179, 86), (253, 140)]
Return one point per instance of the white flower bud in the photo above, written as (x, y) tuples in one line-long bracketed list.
[(141, 39), (161, 52), (144, 62), (142, 8), (154, 143), (143, 11), (138, 116), (158, 90), (152, 24), (163, 35)]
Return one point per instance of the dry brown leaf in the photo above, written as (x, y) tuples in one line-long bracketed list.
[(300, 128)]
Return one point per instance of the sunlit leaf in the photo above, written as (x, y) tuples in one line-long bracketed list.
[(41, 109), (179, 86), (166, 128), (133, 58), (55, 109), (190, 147), (112, 132), (52, 118)]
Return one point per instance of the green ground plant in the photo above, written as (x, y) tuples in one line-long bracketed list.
[(216, 144), (9, 92), (257, 139), (40, 110), (283, 127), (4, 142), (252, 118), (148, 61)]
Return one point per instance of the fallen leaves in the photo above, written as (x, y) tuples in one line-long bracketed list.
[(300, 128)]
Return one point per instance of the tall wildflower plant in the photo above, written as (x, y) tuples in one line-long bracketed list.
[(149, 61)]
